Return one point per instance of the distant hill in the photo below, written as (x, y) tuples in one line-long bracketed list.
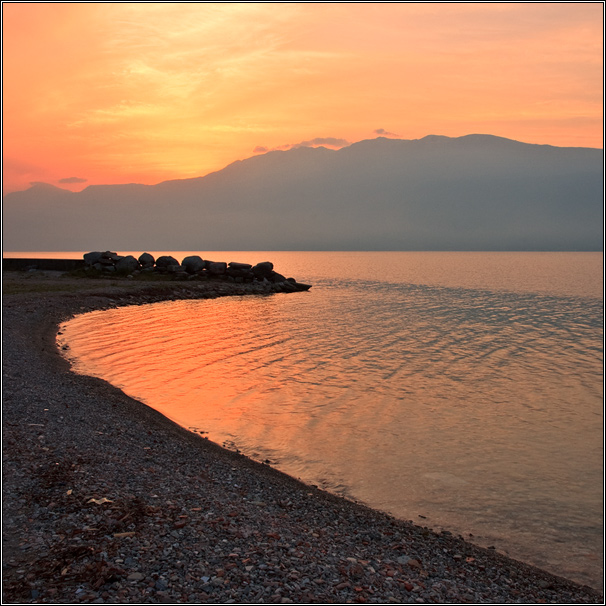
[(477, 192)]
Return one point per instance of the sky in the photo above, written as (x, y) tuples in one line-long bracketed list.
[(125, 92)]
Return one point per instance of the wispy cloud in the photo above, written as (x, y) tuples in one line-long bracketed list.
[(329, 141), (333, 142), (384, 133), (40, 184), (73, 180), (145, 92)]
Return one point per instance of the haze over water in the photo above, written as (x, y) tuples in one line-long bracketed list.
[(465, 388)]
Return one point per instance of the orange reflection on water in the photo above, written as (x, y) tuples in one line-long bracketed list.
[(481, 410), (203, 366)]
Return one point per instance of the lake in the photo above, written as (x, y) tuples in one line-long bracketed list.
[(462, 391)]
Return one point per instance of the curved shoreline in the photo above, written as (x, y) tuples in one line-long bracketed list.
[(106, 499)]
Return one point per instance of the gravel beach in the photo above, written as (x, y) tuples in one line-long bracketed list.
[(107, 501)]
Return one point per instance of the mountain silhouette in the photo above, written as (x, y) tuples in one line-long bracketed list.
[(477, 192)]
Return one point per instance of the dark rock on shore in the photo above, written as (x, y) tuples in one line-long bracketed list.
[(217, 268), (127, 264), (166, 261), (263, 270), (92, 257), (240, 266), (147, 260), (192, 267), (193, 264)]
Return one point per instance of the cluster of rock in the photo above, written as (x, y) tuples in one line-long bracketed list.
[(190, 268)]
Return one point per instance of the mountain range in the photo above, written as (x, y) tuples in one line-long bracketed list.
[(477, 192)]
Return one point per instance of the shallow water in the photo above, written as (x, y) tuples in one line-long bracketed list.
[(465, 388)]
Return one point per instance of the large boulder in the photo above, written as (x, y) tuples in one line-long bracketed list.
[(216, 268), (90, 258), (166, 261), (193, 264), (263, 270), (127, 264), (236, 272), (276, 277), (240, 266), (110, 256), (147, 260)]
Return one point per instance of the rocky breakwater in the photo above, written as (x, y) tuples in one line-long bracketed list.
[(190, 268)]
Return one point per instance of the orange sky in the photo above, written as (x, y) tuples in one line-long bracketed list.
[(125, 92)]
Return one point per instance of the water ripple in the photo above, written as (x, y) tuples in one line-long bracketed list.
[(480, 409)]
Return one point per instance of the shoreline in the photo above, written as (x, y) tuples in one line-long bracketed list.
[(105, 500)]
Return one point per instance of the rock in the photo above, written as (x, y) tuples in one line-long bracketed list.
[(302, 287), (276, 277), (127, 264), (263, 270), (235, 272), (108, 254), (288, 287), (147, 260), (165, 261), (217, 268), (135, 576), (544, 584), (241, 266), (193, 264), (91, 258)]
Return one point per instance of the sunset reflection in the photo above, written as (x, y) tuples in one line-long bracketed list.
[(449, 402)]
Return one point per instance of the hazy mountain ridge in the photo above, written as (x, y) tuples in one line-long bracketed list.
[(477, 192)]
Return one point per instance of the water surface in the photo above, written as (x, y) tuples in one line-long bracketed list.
[(462, 387)]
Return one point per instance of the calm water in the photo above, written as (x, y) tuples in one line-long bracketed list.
[(465, 388)]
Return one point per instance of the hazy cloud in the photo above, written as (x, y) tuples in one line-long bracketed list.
[(73, 180), (330, 141), (17, 174), (41, 184), (385, 133), (333, 142)]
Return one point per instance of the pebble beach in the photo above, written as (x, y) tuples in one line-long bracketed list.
[(106, 501)]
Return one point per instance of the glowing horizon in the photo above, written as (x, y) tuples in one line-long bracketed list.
[(124, 92)]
